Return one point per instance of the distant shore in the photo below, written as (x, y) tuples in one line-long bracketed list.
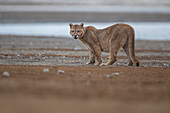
[(39, 14)]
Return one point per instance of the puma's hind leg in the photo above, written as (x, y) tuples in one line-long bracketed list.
[(132, 55), (126, 49)]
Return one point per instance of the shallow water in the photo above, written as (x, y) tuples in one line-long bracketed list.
[(143, 30)]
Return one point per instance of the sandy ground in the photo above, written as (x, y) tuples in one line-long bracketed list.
[(35, 83)]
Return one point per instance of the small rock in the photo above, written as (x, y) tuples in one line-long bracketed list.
[(6, 74), (13, 44), (39, 54), (109, 76), (8, 56), (61, 71), (77, 48), (30, 57), (58, 57), (18, 55), (64, 57), (46, 70), (115, 73), (44, 58)]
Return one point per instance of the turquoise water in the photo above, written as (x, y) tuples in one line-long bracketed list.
[(143, 30)]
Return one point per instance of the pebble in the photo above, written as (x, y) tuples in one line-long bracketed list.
[(109, 76), (61, 71), (115, 73), (13, 44), (77, 48), (44, 58), (39, 54), (8, 56), (58, 57), (46, 70), (30, 57), (6, 74), (64, 57), (18, 55)]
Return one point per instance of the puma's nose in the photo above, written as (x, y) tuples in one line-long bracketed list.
[(75, 37)]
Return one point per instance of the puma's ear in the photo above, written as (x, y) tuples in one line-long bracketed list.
[(71, 25), (82, 24)]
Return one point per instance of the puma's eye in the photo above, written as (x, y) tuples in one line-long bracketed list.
[(72, 31), (78, 31)]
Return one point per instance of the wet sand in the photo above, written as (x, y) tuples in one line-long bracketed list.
[(81, 88)]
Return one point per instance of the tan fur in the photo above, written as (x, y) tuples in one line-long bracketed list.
[(110, 39)]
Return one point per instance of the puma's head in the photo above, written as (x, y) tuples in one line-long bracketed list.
[(77, 31)]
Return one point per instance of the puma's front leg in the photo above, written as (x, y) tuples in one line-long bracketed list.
[(91, 58), (97, 52)]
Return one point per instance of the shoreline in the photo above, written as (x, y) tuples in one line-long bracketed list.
[(34, 14)]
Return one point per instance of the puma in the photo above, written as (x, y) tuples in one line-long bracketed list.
[(110, 39)]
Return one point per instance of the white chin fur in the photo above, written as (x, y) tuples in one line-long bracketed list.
[(75, 36)]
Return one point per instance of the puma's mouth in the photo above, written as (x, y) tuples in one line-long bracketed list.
[(75, 37)]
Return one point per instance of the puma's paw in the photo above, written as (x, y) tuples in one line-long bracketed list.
[(89, 63), (97, 64), (102, 64)]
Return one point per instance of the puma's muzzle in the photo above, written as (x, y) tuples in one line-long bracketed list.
[(75, 37)]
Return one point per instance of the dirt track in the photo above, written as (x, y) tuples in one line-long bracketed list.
[(81, 88)]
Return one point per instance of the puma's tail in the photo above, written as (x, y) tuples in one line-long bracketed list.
[(131, 45)]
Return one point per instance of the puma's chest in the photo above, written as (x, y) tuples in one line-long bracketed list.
[(88, 46)]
